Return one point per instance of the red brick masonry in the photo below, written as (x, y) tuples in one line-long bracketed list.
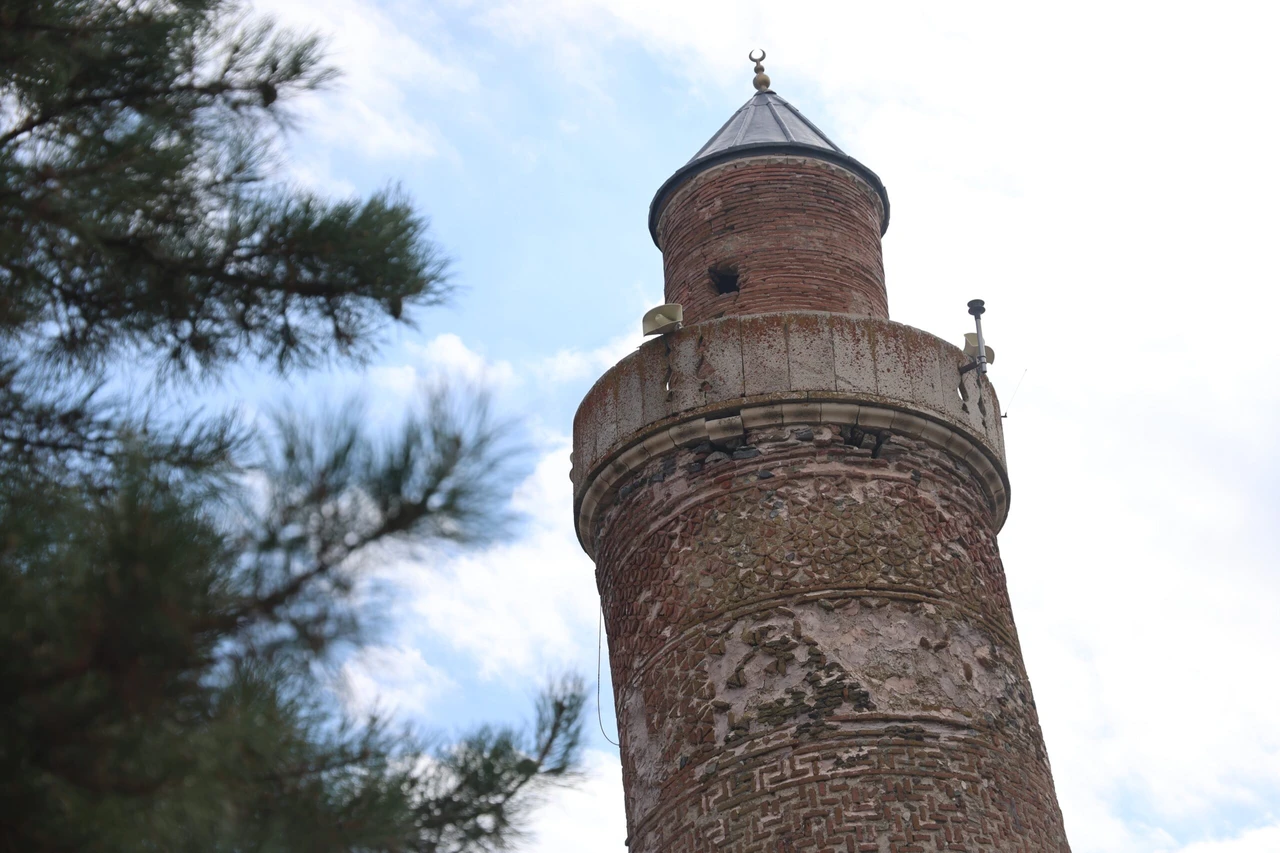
[(812, 649), (802, 234)]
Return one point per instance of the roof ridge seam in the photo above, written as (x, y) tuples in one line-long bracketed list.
[(722, 129), (809, 124), (782, 125), (747, 109)]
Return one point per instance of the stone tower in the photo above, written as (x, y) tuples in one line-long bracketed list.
[(792, 503)]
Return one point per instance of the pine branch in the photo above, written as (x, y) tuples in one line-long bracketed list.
[(164, 592), (488, 777)]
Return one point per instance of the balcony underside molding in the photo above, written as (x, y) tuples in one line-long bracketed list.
[(730, 423)]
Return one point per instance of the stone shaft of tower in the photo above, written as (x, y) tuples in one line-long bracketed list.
[(792, 503)]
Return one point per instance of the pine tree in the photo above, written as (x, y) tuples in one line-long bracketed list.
[(167, 585)]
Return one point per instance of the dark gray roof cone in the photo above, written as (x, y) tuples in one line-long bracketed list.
[(766, 124)]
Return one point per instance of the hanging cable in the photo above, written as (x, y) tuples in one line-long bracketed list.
[(1015, 393), (599, 657)]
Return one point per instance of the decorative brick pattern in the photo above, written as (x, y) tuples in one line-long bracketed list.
[(801, 235), (812, 649)]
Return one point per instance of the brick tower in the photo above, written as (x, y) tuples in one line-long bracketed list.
[(792, 503)]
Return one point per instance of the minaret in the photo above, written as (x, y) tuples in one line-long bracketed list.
[(792, 503)]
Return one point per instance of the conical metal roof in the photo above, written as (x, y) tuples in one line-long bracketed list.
[(766, 124), (766, 119)]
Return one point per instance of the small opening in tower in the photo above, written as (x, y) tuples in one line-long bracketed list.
[(724, 278)]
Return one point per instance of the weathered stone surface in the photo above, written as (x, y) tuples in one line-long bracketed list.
[(810, 353), (719, 369), (830, 648), (722, 366), (765, 364)]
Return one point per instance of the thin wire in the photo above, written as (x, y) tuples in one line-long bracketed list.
[(599, 656), (1015, 393)]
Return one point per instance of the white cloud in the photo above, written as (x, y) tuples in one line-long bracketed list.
[(447, 355), (569, 365), (590, 816), (1264, 840), (528, 606), (314, 170), (375, 106), (445, 358), (391, 679)]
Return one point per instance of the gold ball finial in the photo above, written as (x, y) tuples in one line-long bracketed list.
[(762, 80)]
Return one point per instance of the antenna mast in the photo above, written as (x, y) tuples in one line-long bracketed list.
[(977, 309)]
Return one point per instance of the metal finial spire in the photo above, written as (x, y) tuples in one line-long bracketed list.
[(762, 80)]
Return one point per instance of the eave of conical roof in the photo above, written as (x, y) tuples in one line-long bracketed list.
[(766, 124)]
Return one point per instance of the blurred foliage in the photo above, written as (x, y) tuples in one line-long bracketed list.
[(170, 587)]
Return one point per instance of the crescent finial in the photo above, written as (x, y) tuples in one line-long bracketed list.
[(761, 81)]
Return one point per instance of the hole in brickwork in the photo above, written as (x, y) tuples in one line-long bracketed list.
[(724, 278)]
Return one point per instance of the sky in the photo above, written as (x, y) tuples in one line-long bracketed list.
[(1104, 175)]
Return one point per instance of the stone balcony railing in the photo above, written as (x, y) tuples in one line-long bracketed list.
[(715, 379)]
